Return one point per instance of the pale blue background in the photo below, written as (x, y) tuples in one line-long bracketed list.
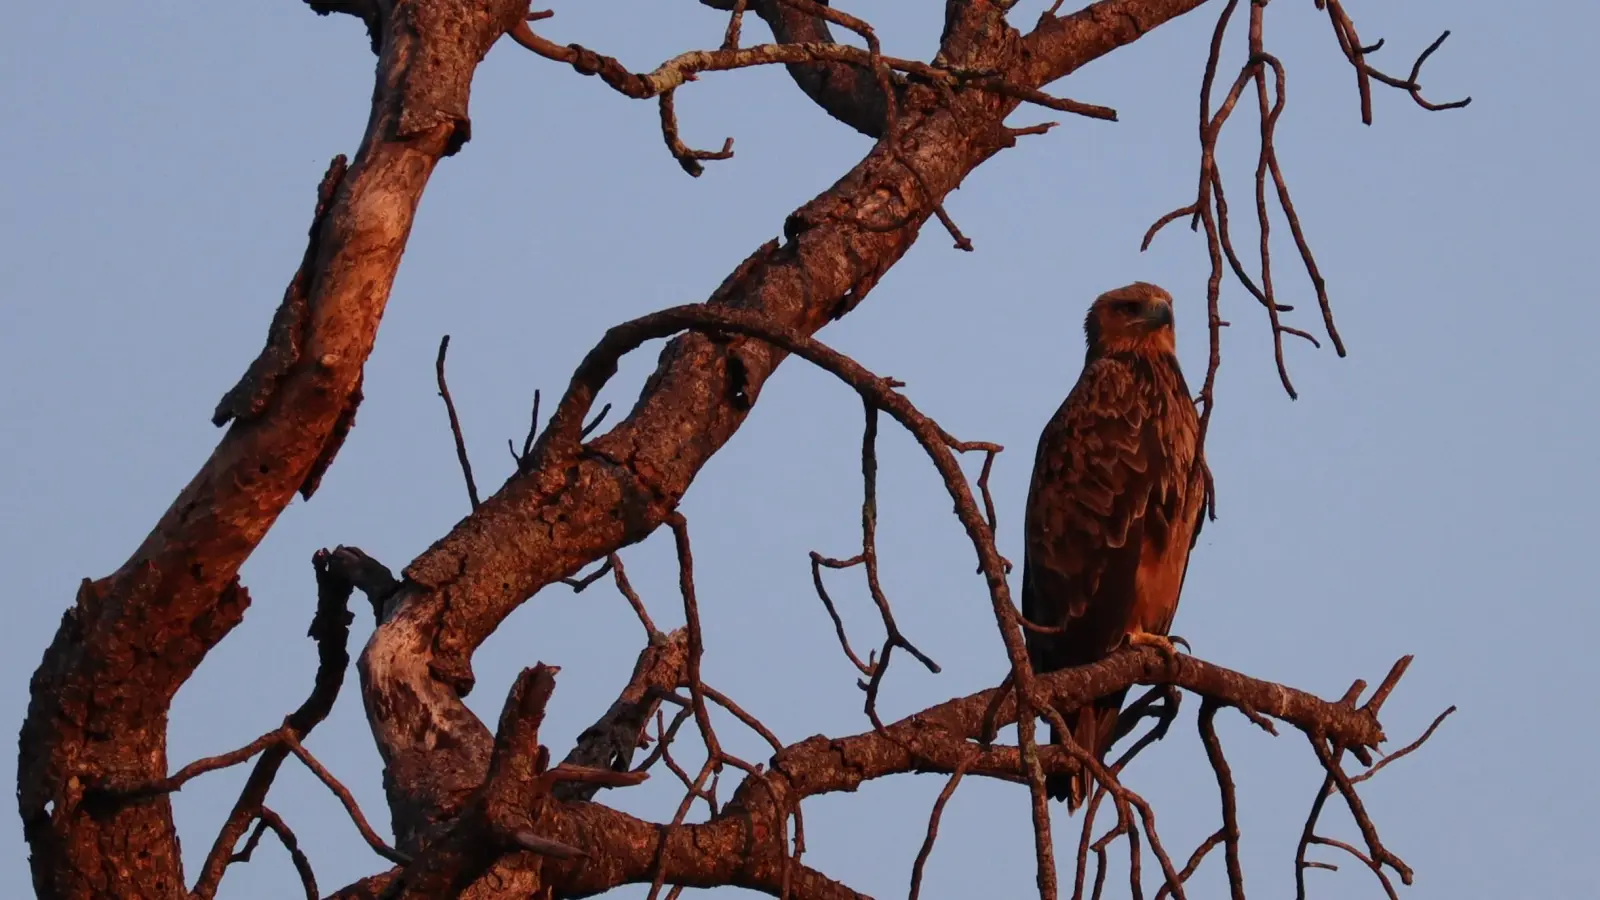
[(1431, 494)]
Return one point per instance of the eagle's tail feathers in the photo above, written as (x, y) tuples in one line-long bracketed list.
[(1093, 728)]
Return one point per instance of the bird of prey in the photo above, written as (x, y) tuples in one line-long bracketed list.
[(1113, 509)]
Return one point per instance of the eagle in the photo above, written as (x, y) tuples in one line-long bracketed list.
[(1114, 507)]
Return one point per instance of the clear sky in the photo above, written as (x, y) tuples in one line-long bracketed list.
[(1430, 494)]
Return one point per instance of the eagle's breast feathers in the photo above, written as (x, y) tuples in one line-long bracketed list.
[(1115, 500)]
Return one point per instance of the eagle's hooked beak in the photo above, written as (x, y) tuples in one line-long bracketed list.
[(1157, 315)]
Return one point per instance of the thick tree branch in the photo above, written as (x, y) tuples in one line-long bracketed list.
[(505, 809), (612, 740), (1059, 46), (101, 695), (849, 92), (741, 844)]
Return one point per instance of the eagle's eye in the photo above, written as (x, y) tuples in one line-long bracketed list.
[(1130, 307)]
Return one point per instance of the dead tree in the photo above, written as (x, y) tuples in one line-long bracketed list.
[(484, 813)]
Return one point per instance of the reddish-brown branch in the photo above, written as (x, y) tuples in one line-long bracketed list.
[(727, 849), (730, 40), (613, 739), (1350, 42), (1230, 806), (505, 811), (285, 738), (738, 712), (1268, 111), (876, 667), (302, 865), (1308, 834), (347, 799), (1210, 207), (1161, 702), (688, 158), (933, 826), (697, 647), (1406, 750), (250, 844), (989, 450), (665, 734), (1380, 855), (1336, 780), (818, 561), (1125, 800), (139, 634), (625, 587), (683, 68)]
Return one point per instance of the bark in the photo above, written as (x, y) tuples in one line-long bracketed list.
[(847, 92), (744, 844), (97, 718)]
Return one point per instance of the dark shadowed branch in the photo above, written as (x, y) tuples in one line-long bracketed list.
[(455, 423), (337, 575)]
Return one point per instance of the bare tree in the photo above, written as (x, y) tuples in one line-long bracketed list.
[(484, 813)]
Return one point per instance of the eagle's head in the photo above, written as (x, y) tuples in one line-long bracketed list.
[(1136, 318)]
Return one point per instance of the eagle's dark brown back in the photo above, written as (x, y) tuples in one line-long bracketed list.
[(1113, 510)]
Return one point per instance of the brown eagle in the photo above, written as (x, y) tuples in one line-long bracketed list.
[(1114, 507)]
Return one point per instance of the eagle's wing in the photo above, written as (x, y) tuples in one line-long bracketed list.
[(1100, 494)]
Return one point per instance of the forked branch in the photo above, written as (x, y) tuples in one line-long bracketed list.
[(1210, 207)]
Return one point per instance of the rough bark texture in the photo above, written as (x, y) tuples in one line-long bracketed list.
[(743, 845), (97, 719)]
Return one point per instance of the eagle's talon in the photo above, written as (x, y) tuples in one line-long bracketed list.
[(1162, 643)]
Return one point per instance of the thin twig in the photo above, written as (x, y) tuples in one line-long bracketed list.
[(525, 458), (455, 423), (302, 865), (579, 585), (730, 40), (624, 586), (750, 721), (348, 800), (697, 647), (595, 422), (1380, 855), (817, 562), (1403, 751), (933, 826), (688, 158)]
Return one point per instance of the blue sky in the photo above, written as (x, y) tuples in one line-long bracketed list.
[(1430, 494)]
